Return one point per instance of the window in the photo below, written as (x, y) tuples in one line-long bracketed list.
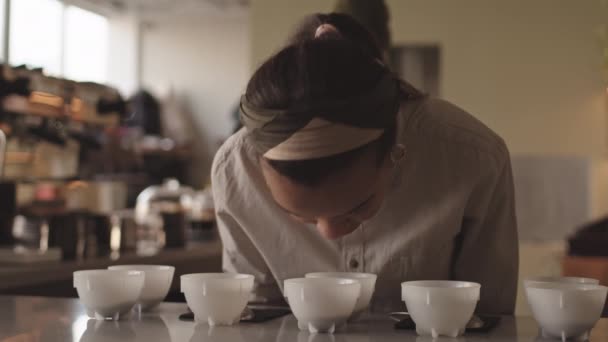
[(2, 8), (86, 45), (35, 34), (65, 41)]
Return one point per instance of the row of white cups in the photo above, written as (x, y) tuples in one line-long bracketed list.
[(564, 307)]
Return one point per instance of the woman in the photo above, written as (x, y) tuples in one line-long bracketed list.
[(343, 167)]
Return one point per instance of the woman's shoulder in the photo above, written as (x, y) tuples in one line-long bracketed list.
[(440, 120), (233, 160)]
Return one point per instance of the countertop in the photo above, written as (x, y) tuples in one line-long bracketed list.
[(29, 319)]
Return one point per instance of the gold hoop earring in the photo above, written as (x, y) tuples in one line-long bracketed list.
[(397, 153)]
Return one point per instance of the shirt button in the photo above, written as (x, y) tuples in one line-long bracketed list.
[(353, 263)]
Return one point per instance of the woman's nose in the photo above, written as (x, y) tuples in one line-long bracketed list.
[(323, 225)]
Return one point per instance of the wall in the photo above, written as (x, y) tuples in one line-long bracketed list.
[(206, 63), (531, 70)]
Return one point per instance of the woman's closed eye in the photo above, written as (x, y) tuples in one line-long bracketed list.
[(361, 210)]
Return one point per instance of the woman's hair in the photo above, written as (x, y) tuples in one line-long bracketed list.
[(339, 62)]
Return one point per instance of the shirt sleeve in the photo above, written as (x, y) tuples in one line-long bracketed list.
[(488, 251), (239, 253)]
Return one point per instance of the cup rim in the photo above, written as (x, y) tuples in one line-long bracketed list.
[(566, 287), (440, 284), (313, 280), (141, 267), (345, 275), (103, 271), (561, 280), (215, 276), (79, 277)]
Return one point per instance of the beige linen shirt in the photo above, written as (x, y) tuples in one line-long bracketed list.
[(449, 215)]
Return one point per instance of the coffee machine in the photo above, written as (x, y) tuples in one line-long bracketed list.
[(47, 124)]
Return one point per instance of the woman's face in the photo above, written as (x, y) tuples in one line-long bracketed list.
[(341, 202)]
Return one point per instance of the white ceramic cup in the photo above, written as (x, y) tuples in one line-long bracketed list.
[(566, 310), (108, 294), (217, 298), (368, 284), (322, 304), (156, 285), (440, 307)]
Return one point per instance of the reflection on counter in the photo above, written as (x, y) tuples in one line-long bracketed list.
[(305, 336), (107, 331), (63, 320), (245, 332), (289, 332), (203, 332), (440, 339), (150, 328)]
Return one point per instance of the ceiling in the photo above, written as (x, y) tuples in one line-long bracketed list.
[(159, 9)]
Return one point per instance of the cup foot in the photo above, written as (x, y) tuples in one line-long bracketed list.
[(119, 316), (582, 337), (213, 322), (434, 333), (322, 328), (90, 313), (315, 329)]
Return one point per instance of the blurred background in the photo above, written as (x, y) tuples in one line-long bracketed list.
[(113, 110)]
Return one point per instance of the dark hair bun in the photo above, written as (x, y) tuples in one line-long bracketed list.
[(327, 31), (346, 28)]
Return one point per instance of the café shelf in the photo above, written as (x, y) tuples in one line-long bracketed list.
[(54, 279)]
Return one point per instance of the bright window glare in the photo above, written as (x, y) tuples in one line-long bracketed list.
[(36, 39), (86, 45), (2, 7), (35, 34)]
